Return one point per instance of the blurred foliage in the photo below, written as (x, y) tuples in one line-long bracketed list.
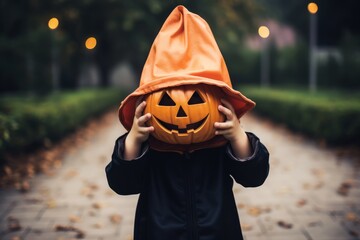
[(335, 18), (332, 116), (124, 30), (30, 121), (338, 43), (246, 69), (289, 66)]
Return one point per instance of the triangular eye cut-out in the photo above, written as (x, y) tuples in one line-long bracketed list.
[(166, 100), (195, 99)]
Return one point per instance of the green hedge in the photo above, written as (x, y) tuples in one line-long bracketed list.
[(28, 121), (328, 115)]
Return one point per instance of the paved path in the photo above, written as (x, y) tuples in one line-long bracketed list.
[(310, 194)]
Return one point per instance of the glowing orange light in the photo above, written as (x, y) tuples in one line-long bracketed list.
[(264, 31), (90, 43), (53, 23), (313, 8)]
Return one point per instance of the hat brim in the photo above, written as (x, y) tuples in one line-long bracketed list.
[(126, 111)]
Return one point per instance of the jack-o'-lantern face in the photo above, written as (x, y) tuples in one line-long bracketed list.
[(184, 114)]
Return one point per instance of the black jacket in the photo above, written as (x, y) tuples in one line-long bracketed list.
[(186, 196)]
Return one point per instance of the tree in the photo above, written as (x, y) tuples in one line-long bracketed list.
[(124, 29)]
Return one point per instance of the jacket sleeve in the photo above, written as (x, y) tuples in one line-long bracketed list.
[(252, 171), (126, 177)]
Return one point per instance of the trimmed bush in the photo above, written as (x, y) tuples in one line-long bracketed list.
[(29, 121), (331, 116)]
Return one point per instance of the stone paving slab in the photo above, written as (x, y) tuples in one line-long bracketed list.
[(298, 201)]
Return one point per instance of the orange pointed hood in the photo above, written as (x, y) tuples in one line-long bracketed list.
[(184, 52)]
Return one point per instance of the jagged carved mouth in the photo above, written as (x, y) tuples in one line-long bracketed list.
[(189, 127)]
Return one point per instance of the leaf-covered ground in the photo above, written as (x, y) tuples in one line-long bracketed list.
[(61, 192)]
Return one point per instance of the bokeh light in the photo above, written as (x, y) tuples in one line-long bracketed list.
[(90, 43), (313, 8), (53, 23), (264, 31)]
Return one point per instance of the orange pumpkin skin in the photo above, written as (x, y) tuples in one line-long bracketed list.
[(184, 114)]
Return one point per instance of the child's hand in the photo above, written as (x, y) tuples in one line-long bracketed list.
[(231, 128), (232, 131), (139, 132)]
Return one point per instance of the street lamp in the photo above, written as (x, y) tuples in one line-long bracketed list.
[(89, 76), (313, 9), (264, 33), (53, 24)]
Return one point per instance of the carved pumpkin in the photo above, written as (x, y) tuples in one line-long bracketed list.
[(184, 114), (184, 52)]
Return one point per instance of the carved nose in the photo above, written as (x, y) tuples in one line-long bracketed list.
[(181, 113)]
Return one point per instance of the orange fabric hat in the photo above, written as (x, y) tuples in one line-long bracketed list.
[(184, 52)]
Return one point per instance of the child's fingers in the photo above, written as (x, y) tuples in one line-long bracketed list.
[(227, 112), (143, 119), (223, 132), (140, 109), (223, 125), (146, 130)]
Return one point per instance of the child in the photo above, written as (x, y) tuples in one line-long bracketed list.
[(186, 195)]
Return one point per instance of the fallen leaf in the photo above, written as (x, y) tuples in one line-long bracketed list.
[(25, 186), (22, 186), (80, 234), (37, 231), (284, 224), (352, 217), (344, 188), (354, 233), (7, 171), (70, 174), (254, 211), (92, 213), (314, 224), (92, 186), (115, 218), (266, 210), (30, 170), (318, 172), (306, 186), (51, 203), (13, 224), (74, 218), (284, 190), (86, 191), (98, 225), (57, 164), (319, 185), (246, 227), (240, 205), (301, 202), (67, 228), (97, 205), (33, 200)]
